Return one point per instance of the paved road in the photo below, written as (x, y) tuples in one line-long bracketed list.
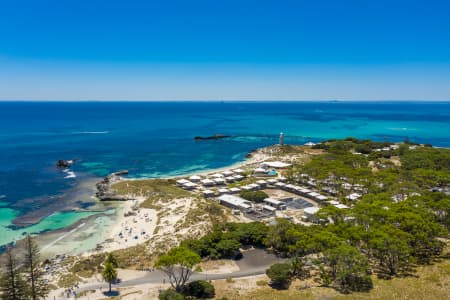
[(253, 262)]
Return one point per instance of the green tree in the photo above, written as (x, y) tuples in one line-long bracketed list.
[(178, 264), (109, 274), (170, 294), (110, 258), (299, 268), (280, 275), (37, 288), (390, 246), (200, 289), (228, 248), (12, 286), (254, 196), (349, 268)]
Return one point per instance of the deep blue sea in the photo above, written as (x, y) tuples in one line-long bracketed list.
[(153, 139)]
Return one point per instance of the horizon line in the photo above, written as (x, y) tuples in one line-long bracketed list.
[(229, 100)]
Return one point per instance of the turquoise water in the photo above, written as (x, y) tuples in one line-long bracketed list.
[(156, 139), (58, 220)]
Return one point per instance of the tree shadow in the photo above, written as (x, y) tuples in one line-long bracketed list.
[(111, 294)]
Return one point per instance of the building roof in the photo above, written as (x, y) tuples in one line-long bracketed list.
[(353, 196), (341, 206), (314, 194), (322, 197), (182, 181), (235, 201), (269, 208), (273, 201), (276, 164), (207, 181), (311, 210)]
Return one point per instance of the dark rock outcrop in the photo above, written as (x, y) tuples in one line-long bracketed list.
[(213, 137), (104, 192), (64, 164)]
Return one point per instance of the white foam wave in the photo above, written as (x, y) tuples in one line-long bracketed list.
[(70, 174), (90, 132), (63, 236)]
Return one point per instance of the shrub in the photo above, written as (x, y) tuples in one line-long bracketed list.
[(170, 294), (229, 248), (200, 289), (254, 196), (280, 275)]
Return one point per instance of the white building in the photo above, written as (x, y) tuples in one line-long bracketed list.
[(235, 190), (276, 164), (182, 181), (195, 178), (208, 193), (234, 202), (207, 182), (274, 203)]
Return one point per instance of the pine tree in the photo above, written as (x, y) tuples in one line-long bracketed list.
[(37, 287), (11, 282), (109, 274)]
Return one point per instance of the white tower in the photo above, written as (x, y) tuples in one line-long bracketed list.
[(281, 139)]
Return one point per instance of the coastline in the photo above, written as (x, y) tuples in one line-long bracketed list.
[(67, 240)]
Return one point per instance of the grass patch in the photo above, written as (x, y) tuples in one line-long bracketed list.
[(429, 282), (155, 190), (68, 280), (208, 211)]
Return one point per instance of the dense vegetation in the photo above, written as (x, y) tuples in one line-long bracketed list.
[(400, 221), (398, 170), (225, 240)]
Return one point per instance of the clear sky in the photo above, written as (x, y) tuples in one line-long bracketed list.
[(225, 50)]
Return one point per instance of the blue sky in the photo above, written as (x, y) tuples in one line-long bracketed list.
[(224, 50)]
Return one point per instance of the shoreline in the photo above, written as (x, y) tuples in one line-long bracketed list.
[(56, 241)]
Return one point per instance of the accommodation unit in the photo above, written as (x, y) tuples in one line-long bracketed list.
[(208, 193), (235, 190), (235, 202), (195, 178), (275, 203), (182, 181), (207, 182), (276, 164)]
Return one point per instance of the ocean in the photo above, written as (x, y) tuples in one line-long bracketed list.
[(154, 139)]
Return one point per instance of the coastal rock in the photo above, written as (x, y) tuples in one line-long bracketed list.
[(64, 164), (104, 192), (213, 137)]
